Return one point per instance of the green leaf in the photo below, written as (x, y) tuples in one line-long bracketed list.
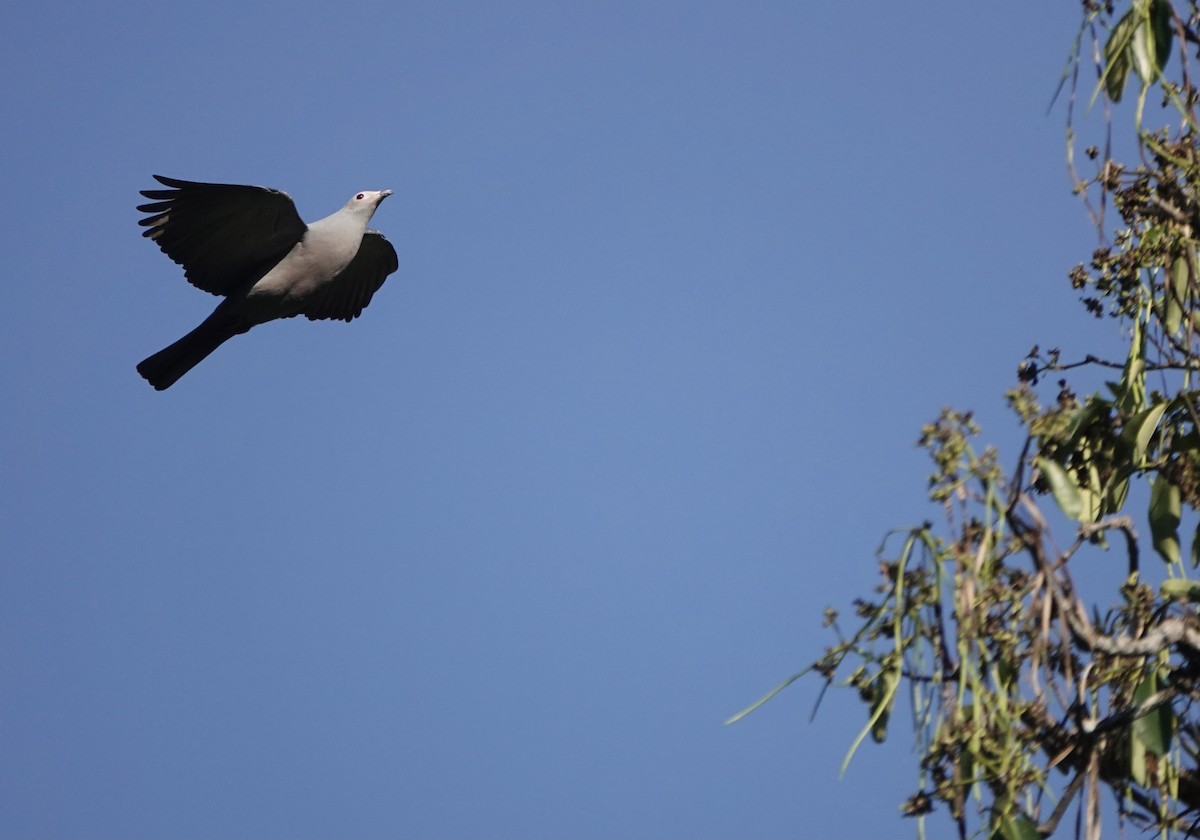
[(1164, 32), (1064, 487), (1117, 493), (1132, 388), (1151, 733), (884, 693), (1019, 827), (1165, 511), (1089, 506), (1141, 428), (1117, 54), (967, 761), (1141, 50), (1180, 588), (762, 700), (1139, 745), (1174, 288), (1150, 46)]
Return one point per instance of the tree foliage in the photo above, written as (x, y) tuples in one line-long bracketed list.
[(1035, 688)]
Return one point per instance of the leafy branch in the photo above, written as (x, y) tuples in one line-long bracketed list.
[(1029, 696)]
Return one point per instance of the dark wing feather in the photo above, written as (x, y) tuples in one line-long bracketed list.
[(344, 297), (225, 236)]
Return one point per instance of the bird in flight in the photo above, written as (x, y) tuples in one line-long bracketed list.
[(249, 245)]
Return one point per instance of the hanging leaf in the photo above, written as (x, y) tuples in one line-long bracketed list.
[(1174, 288), (1165, 512), (1132, 388), (1141, 52), (1150, 735), (1064, 487), (1152, 728), (1150, 44), (1140, 429), (883, 695), (1164, 33), (1090, 503), (1117, 54), (1115, 498), (1019, 827)]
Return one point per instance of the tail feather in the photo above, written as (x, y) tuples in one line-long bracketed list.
[(164, 368)]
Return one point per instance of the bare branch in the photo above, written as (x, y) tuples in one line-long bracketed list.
[(1124, 524)]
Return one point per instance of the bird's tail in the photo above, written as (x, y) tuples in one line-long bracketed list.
[(165, 367)]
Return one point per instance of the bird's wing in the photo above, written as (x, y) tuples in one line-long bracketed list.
[(225, 236), (344, 297)]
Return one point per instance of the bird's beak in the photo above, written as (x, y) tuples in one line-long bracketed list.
[(384, 194)]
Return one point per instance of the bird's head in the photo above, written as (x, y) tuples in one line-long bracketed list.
[(368, 200)]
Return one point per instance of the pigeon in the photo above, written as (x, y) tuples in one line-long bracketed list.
[(249, 245)]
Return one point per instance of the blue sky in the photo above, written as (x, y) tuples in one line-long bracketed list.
[(679, 282)]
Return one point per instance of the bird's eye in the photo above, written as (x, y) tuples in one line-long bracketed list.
[(358, 197)]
